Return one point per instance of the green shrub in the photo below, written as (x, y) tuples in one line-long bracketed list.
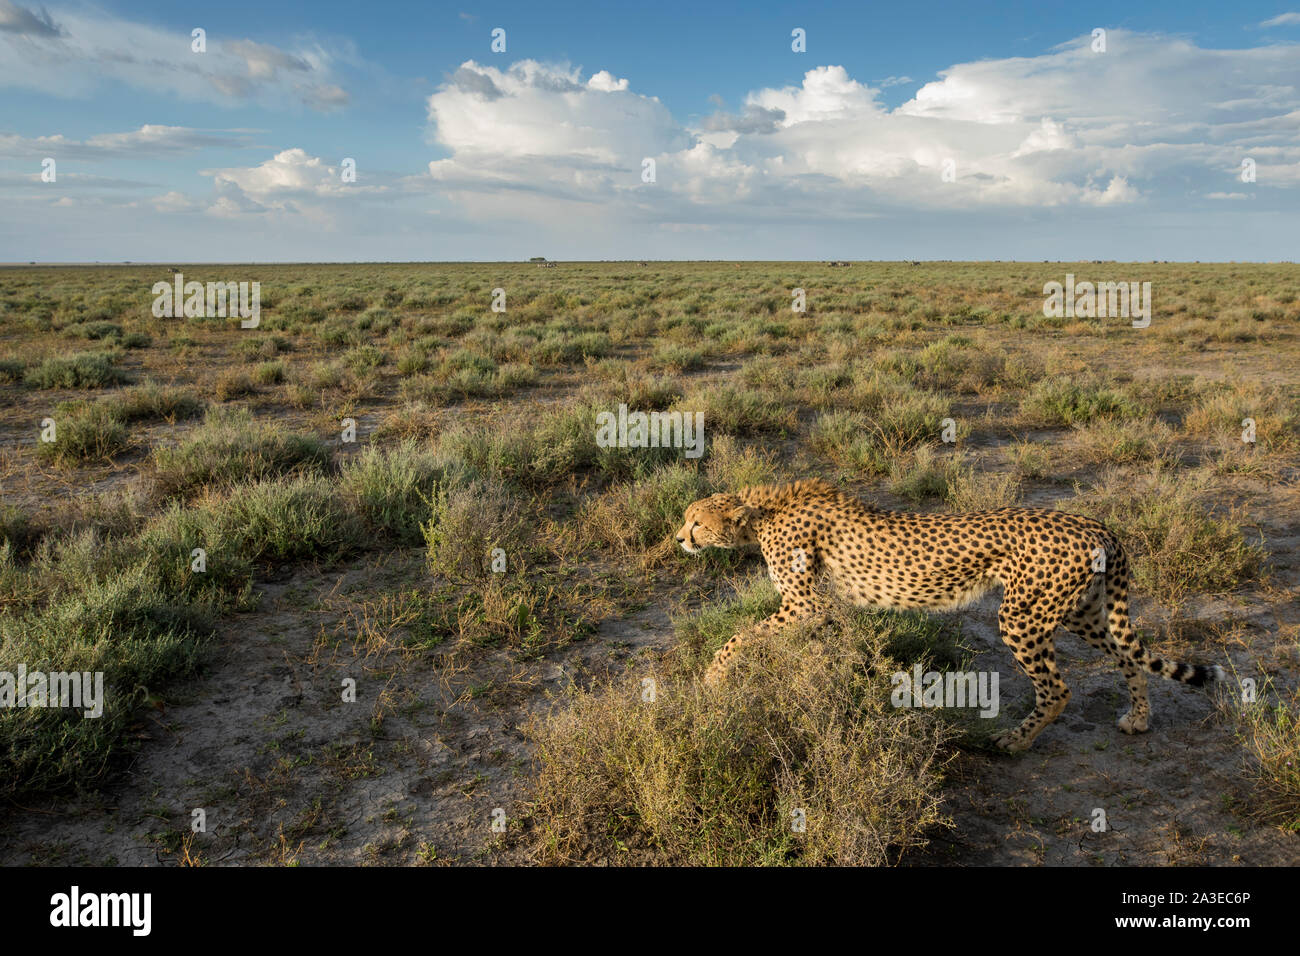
[(1062, 401), (737, 411), (87, 370), (468, 523), (393, 487), (231, 446), (121, 625), (694, 778), (269, 373), (153, 402), (633, 516), (1178, 546), (84, 431), (11, 370)]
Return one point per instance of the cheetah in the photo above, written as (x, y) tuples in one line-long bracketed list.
[(1054, 569)]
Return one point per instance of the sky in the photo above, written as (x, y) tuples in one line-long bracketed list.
[(428, 131)]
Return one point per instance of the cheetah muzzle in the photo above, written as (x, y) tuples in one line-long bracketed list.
[(1054, 569)]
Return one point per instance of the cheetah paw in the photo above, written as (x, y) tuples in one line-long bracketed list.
[(1011, 742), (1132, 725)]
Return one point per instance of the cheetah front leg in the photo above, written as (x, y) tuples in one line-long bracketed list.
[(794, 577), (722, 660)]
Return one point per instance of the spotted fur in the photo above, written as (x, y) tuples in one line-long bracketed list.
[(1054, 569)]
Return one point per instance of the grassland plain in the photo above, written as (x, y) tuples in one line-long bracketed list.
[(391, 484)]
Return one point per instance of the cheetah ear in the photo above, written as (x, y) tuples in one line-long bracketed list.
[(742, 515)]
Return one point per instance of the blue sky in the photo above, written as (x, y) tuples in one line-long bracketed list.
[(936, 130)]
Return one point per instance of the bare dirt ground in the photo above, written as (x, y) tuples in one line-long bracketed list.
[(287, 773)]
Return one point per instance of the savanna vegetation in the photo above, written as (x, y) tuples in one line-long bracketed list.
[(156, 473)]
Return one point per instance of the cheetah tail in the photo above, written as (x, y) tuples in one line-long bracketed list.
[(1197, 675)]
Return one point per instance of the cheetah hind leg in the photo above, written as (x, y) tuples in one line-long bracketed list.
[(1128, 650), (1090, 623), (1050, 692), (1050, 697)]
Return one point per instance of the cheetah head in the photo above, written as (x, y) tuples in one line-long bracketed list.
[(720, 521)]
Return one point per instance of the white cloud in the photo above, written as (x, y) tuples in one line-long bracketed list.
[(76, 54), (294, 185), (522, 139), (175, 202), (1049, 136), (1140, 90), (148, 140), (1156, 124), (1117, 190), (323, 97), (827, 93), (1283, 20), (604, 82), (264, 61), (534, 110), (288, 174), (20, 20), (1068, 127)]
